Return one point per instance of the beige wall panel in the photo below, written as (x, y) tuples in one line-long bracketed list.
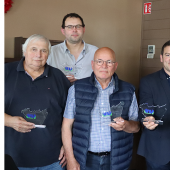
[(159, 5), (144, 1), (112, 23), (151, 63), (157, 42), (156, 34), (157, 53), (159, 14), (156, 24)]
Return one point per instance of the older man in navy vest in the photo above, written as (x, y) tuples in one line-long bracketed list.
[(91, 141)]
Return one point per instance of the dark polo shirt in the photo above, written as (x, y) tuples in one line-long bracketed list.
[(41, 146)]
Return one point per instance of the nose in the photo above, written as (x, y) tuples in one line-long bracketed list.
[(104, 64), (74, 28), (38, 53)]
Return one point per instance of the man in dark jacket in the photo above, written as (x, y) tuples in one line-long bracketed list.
[(90, 139), (154, 92), (35, 97)]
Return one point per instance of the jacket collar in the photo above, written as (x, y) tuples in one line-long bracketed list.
[(115, 77)]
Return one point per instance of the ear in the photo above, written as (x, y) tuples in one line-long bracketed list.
[(83, 29), (116, 65), (63, 31), (161, 58), (92, 65)]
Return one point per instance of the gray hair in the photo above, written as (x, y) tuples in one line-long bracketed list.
[(36, 37)]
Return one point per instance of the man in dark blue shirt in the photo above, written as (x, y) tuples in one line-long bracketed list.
[(155, 92), (35, 97)]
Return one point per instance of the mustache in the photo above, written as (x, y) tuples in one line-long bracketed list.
[(103, 70), (36, 58)]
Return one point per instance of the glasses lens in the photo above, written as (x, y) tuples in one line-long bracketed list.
[(99, 62), (69, 27), (78, 26), (109, 63)]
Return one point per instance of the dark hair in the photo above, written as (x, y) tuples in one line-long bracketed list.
[(165, 45), (72, 15)]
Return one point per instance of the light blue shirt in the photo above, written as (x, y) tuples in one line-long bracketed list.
[(100, 132), (60, 56)]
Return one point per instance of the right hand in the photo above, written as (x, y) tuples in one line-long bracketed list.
[(150, 124), (71, 78), (20, 124), (73, 165)]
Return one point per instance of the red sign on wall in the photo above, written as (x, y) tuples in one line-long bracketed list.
[(147, 8)]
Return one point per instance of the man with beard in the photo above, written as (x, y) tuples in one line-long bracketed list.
[(155, 91), (73, 51)]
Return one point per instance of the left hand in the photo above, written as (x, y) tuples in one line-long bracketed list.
[(62, 157), (119, 125)]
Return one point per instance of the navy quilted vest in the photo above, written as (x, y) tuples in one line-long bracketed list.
[(121, 142)]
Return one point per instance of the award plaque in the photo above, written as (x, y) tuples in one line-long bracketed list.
[(156, 111), (70, 70), (37, 117), (67, 69), (115, 112)]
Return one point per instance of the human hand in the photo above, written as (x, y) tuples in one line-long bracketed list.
[(62, 157), (71, 78), (20, 124), (73, 165), (119, 124), (148, 122)]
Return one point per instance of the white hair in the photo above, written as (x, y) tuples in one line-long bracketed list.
[(36, 37)]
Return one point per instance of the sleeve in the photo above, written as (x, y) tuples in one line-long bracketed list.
[(70, 104), (133, 109)]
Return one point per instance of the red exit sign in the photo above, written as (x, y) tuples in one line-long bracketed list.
[(147, 8)]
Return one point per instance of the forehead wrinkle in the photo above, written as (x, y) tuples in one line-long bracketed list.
[(36, 40)]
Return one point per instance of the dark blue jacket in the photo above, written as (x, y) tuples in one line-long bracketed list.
[(121, 142), (154, 145)]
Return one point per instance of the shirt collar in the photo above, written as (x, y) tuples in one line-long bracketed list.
[(111, 83), (85, 49), (20, 67), (167, 76)]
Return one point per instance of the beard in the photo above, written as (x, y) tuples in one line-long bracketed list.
[(73, 40)]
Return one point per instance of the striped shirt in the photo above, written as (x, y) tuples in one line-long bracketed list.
[(100, 132)]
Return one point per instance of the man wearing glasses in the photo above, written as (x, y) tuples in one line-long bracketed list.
[(91, 141), (73, 52)]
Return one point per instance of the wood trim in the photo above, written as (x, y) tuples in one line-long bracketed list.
[(18, 41)]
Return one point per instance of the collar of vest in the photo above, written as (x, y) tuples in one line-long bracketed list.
[(115, 77)]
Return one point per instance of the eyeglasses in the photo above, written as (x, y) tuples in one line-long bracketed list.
[(101, 62), (71, 27)]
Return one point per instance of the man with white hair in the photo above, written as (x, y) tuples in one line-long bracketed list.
[(35, 96)]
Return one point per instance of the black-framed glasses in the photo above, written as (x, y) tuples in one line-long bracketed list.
[(100, 62), (71, 27)]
